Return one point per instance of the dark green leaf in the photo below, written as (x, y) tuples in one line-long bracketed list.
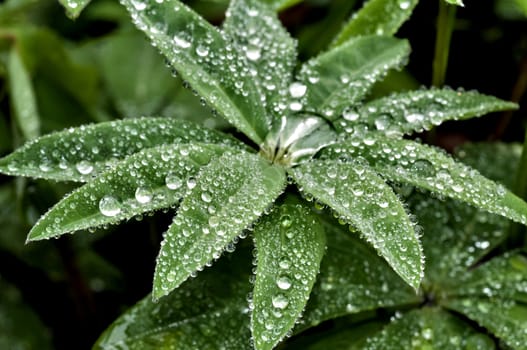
[(228, 196), (380, 17), (290, 243), (204, 57), (360, 197), (79, 154), (151, 179), (342, 77)]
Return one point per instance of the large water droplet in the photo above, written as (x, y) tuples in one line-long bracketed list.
[(297, 90), (283, 282), (280, 301), (173, 181), (143, 195), (206, 197), (109, 206), (253, 53), (84, 167)]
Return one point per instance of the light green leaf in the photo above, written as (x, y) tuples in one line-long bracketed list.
[(507, 320), (427, 328), (151, 179), (343, 76), (415, 111), (503, 277), (456, 2), (229, 195), (379, 17), (74, 7), (352, 279), (22, 97), (206, 313), (206, 60), (360, 197), (79, 154), (269, 49), (522, 5), (429, 168), (290, 243)]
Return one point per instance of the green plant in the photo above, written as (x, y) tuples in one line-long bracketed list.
[(304, 137)]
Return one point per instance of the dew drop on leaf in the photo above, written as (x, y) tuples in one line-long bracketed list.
[(173, 182), (84, 167), (297, 90), (143, 195), (109, 206), (280, 301), (283, 282)]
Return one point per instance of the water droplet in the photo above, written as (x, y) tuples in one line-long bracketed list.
[(202, 51), (143, 195), (423, 167), (253, 53), (181, 42), (84, 167), (414, 118), (284, 263), (350, 114), (206, 197), (191, 183), (173, 182), (286, 221), (280, 301), (138, 5), (283, 282), (109, 206), (297, 90), (404, 4)]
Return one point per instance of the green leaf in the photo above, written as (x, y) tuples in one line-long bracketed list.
[(455, 2), (360, 197), (151, 179), (427, 328), (206, 60), (22, 97), (79, 154), (209, 313), (415, 111), (343, 76), (290, 243), (229, 195), (379, 17), (74, 7), (281, 4), (429, 168), (507, 320), (522, 5), (502, 277), (352, 279), (269, 49)]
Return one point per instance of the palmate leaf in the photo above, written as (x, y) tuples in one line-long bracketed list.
[(380, 17), (360, 197), (269, 49), (290, 243), (342, 76), (228, 196), (151, 179), (353, 278), (74, 7), (206, 313), (22, 96), (205, 58), (427, 167), (507, 320), (79, 154), (415, 111)]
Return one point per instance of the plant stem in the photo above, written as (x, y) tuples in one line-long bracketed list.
[(445, 27)]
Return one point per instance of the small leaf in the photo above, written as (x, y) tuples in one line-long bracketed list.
[(456, 2), (360, 197), (415, 111), (380, 17), (352, 279), (74, 7), (151, 179), (228, 196), (209, 312), (341, 77), (289, 244), (429, 168), (507, 320), (427, 328), (269, 49), (79, 154), (206, 60), (23, 102)]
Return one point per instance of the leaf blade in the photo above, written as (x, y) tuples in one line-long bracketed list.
[(290, 244), (363, 199), (231, 192), (74, 7)]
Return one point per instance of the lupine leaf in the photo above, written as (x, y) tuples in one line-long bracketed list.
[(151, 179), (380, 17), (74, 7), (352, 279), (342, 76), (415, 111), (427, 328), (209, 312), (507, 320), (22, 96), (360, 197), (429, 168), (206, 60), (269, 49), (290, 243), (79, 154), (229, 195)]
